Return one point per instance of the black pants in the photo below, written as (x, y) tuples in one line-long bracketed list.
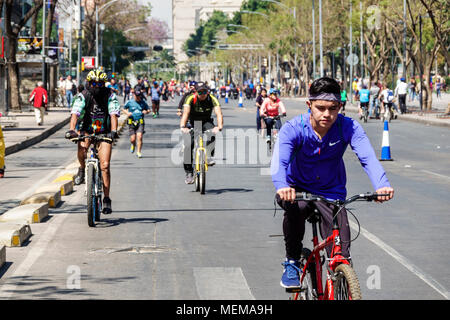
[(188, 141), (270, 122), (294, 226), (402, 102)]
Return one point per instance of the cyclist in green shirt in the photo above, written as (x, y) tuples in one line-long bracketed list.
[(343, 98)]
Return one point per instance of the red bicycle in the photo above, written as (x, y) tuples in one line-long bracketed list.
[(341, 280)]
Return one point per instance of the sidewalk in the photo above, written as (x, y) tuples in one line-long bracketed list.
[(28, 132), (435, 116)]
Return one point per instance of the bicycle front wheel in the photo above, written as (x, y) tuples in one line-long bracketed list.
[(346, 286), (92, 205), (202, 173)]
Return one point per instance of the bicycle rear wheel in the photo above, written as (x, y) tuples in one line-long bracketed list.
[(366, 114), (346, 286), (92, 205)]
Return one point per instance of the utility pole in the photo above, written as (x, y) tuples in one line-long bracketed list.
[(79, 44), (362, 41), (44, 65), (404, 39), (96, 36), (320, 40), (314, 40), (351, 53)]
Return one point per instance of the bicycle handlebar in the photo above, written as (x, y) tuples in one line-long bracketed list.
[(91, 137), (206, 131), (369, 196)]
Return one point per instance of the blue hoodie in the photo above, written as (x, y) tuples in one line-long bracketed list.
[(301, 159)]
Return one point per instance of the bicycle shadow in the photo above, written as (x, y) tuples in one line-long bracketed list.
[(114, 222), (226, 190)]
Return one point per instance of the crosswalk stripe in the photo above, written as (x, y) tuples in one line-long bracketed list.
[(222, 284)]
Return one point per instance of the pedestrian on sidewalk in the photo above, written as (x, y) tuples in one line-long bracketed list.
[(401, 91), (39, 99), (69, 90)]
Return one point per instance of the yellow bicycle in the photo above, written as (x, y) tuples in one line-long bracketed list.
[(200, 162)]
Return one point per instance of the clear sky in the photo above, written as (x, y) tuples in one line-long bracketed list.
[(161, 9)]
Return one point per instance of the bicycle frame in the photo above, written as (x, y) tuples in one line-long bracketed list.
[(335, 259), (93, 158), (199, 146)]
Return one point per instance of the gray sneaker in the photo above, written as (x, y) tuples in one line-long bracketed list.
[(79, 178), (189, 178)]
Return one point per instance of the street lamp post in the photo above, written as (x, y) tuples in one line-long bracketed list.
[(97, 13), (351, 53), (314, 39), (256, 12), (320, 38), (44, 65), (237, 26)]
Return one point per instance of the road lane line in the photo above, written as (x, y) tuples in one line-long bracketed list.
[(403, 261), (436, 174), (222, 284)]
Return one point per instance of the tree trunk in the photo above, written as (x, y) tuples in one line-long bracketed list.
[(13, 75), (34, 21)]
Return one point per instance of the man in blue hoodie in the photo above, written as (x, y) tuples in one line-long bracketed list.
[(309, 158)]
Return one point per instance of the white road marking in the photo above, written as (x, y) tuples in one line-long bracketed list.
[(435, 174), (8, 289), (403, 261), (222, 284)]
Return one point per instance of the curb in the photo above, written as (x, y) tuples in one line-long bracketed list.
[(14, 234), (14, 223), (64, 187), (29, 142), (2, 256), (26, 214)]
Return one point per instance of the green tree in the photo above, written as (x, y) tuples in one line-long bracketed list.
[(206, 33)]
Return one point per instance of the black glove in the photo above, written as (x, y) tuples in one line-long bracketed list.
[(71, 134)]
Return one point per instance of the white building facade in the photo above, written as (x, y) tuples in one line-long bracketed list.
[(187, 16)]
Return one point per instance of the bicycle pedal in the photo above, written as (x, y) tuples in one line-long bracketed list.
[(294, 290)]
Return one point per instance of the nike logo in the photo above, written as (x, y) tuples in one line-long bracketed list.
[(333, 143)]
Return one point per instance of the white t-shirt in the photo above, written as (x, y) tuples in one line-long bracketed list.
[(68, 84), (385, 94), (402, 88)]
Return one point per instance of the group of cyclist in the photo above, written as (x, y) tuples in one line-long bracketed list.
[(309, 157), (378, 98)]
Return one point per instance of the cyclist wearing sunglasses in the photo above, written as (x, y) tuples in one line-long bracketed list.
[(198, 108), (310, 159), (96, 108)]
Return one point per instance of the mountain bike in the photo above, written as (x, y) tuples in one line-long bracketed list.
[(93, 176), (200, 161), (341, 280)]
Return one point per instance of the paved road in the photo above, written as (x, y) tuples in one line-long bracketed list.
[(165, 241)]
